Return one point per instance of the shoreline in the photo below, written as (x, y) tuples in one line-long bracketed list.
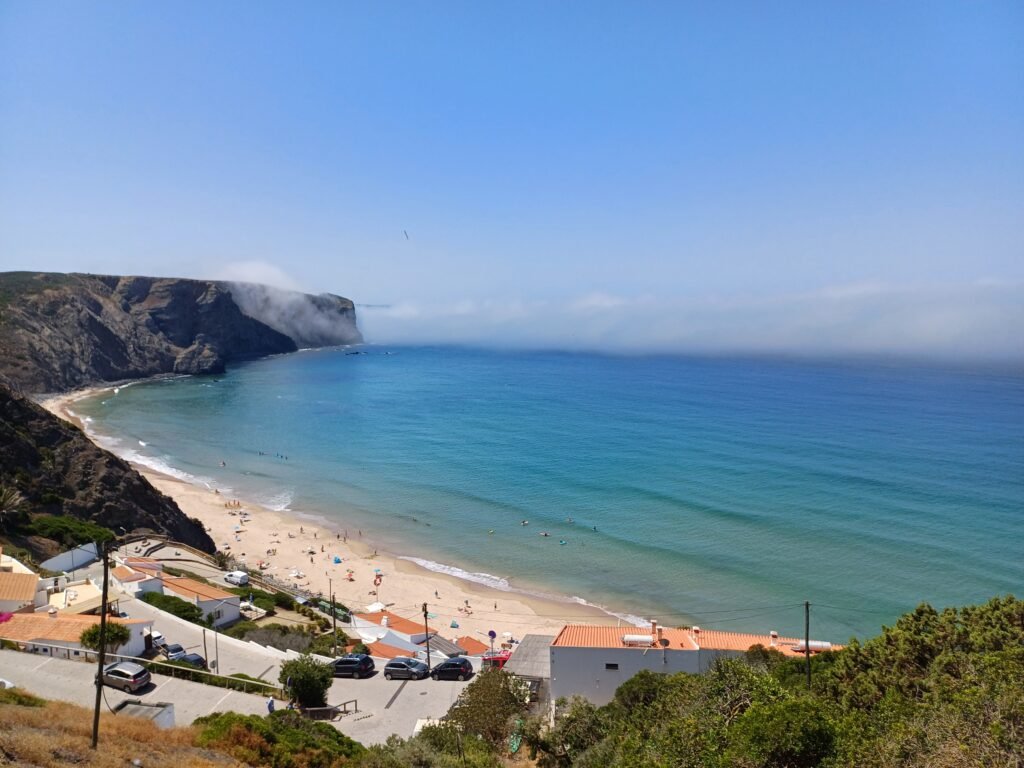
[(323, 552)]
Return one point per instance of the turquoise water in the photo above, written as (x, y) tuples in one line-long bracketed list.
[(723, 491)]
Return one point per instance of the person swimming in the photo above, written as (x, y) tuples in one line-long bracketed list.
[(525, 522), (544, 533)]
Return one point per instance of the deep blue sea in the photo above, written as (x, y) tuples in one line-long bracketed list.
[(722, 492)]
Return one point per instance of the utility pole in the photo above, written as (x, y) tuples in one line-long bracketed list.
[(426, 630), (807, 640), (103, 647)]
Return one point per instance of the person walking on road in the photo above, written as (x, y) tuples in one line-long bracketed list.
[(270, 705)]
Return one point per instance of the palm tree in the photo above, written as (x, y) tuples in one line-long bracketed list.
[(11, 502)]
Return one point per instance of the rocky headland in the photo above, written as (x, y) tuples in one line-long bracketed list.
[(60, 332)]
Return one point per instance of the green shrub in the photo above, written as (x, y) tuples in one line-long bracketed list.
[(307, 680), (176, 606), (20, 698), (69, 531), (282, 740)]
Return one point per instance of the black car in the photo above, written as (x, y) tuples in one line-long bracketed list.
[(404, 667), (193, 660), (455, 668), (354, 665)]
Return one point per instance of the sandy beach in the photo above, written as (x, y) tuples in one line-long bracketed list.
[(318, 558)]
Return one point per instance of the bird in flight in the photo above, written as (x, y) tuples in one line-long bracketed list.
[(406, 234)]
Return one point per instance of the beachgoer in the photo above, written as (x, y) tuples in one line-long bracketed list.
[(311, 559), (495, 606), (270, 704), (301, 529), (436, 596), (321, 547)]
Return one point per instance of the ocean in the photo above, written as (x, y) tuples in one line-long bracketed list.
[(718, 491)]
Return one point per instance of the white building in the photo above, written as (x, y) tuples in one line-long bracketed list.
[(21, 592), (57, 634), (593, 661), (216, 604), (135, 582)]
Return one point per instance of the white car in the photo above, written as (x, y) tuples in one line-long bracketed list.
[(6, 684), (159, 641), (238, 578)]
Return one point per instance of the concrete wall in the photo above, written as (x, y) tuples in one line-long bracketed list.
[(583, 672), (79, 557)]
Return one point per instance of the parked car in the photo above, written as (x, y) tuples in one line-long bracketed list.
[(126, 675), (193, 660), (354, 665), (6, 684), (404, 667), (239, 578), (159, 641), (174, 651), (455, 668)]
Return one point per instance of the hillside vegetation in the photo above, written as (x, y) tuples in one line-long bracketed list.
[(62, 490), (937, 690)]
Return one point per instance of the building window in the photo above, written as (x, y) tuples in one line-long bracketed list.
[(611, 666), (217, 614)]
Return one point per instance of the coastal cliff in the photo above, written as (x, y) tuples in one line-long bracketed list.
[(59, 332), (59, 472), (63, 331)]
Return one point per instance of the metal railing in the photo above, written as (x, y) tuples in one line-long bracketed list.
[(167, 668)]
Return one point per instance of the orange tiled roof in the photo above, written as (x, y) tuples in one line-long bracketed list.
[(63, 628), (471, 645), (193, 589), (397, 623), (122, 574), (383, 651), (686, 639), (18, 586)]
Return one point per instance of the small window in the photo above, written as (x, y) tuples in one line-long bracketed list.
[(611, 666)]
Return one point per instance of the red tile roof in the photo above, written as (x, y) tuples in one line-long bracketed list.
[(686, 639), (192, 589), (18, 586), (471, 645), (123, 574), (62, 628), (382, 651), (397, 623)]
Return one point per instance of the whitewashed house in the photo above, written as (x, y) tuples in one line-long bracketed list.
[(593, 661), (220, 607)]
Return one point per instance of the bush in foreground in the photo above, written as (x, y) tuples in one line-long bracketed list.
[(307, 680), (282, 740)]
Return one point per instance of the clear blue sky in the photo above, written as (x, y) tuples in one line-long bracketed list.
[(766, 176)]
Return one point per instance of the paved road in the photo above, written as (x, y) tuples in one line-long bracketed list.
[(385, 706), (72, 681)]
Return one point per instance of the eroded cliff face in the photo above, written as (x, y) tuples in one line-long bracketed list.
[(60, 332), (60, 472)]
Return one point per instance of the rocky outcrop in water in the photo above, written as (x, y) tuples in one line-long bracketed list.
[(63, 331)]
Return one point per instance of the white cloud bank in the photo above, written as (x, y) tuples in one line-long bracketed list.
[(984, 321)]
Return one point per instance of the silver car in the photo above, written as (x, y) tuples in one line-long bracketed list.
[(126, 675), (404, 667)]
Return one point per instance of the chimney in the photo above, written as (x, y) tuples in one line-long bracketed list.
[(660, 633), (52, 613), (654, 630), (383, 621), (774, 638)]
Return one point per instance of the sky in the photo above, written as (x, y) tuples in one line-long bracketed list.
[(756, 177)]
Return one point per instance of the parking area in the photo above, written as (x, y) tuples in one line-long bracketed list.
[(72, 681)]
